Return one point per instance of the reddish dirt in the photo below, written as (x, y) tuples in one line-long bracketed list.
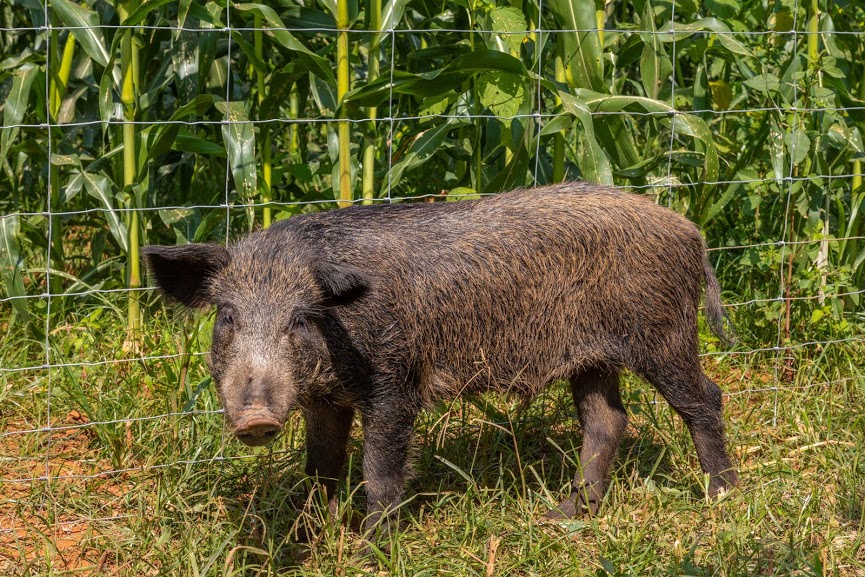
[(36, 529)]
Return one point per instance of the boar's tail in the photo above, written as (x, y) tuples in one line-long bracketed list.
[(717, 316)]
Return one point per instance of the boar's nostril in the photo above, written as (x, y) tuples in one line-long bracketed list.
[(257, 429), (260, 430)]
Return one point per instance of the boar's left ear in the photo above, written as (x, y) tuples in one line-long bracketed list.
[(340, 283), (182, 272)]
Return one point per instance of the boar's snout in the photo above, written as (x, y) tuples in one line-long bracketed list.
[(256, 426)]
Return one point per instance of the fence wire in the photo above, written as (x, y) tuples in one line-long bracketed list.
[(779, 352)]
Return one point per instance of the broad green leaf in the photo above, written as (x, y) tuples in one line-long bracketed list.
[(682, 123), (100, 187), (716, 207), (503, 93), (10, 265), (249, 51), (85, 23), (324, 95), (391, 14), (317, 65), (723, 34), (510, 24), (655, 67), (764, 83), (435, 105), (515, 172), (640, 169), (184, 221), (239, 137), (279, 89), (798, 144), (16, 105), (211, 220), (185, 58), (776, 145), (462, 193), (425, 145), (435, 83), (182, 11), (106, 97), (301, 17), (145, 8), (594, 164), (167, 133), (72, 188), (557, 124), (188, 142), (585, 67)]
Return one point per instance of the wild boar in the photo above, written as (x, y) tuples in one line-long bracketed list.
[(385, 310)]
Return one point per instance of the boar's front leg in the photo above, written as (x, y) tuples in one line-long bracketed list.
[(327, 430), (387, 437)]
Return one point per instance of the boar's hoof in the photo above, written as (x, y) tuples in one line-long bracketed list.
[(257, 430), (567, 509), (571, 507)]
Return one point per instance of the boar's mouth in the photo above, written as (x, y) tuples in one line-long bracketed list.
[(256, 427)]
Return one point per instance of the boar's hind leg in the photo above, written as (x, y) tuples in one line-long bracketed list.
[(603, 419), (698, 401), (327, 430)]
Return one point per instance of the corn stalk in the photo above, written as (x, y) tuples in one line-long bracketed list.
[(368, 188), (342, 86), (128, 86), (266, 166), (559, 138), (57, 88)]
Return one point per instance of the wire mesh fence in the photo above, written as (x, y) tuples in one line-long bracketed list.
[(509, 113)]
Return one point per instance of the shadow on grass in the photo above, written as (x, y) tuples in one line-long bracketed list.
[(472, 445)]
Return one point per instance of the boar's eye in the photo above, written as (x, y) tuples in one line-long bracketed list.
[(301, 320), (225, 317)]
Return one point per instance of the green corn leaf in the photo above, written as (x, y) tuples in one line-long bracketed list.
[(516, 171), (10, 265), (425, 145), (145, 8), (556, 125), (682, 123), (16, 105), (584, 65), (594, 164), (716, 207), (100, 187), (85, 22), (680, 31), (391, 14), (779, 156), (239, 137), (437, 82), (167, 133), (655, 67), (188, 142), (182, 12), (319, 66)]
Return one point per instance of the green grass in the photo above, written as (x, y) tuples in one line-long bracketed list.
[(193, 501)]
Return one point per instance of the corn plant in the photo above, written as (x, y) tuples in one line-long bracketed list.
[(756, 137)]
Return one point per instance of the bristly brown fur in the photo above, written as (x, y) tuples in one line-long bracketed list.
[(421, 302)]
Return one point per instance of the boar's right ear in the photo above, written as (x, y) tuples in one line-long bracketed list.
[(182, 272), (340, 283)]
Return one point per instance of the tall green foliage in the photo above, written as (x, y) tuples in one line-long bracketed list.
[(722, 110)]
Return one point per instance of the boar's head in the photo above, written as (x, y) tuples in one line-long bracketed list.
[(269, 349)]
